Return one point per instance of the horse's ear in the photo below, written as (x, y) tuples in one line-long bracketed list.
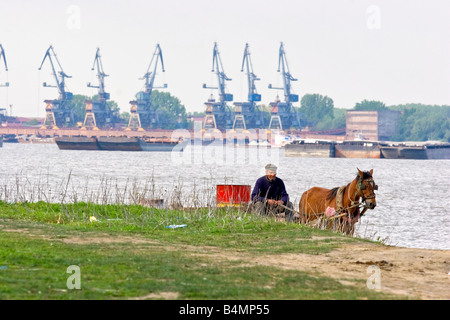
[(371, 171), (361, 174)]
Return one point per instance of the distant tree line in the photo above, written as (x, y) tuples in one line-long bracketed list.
[(319, 113), (417, 122)]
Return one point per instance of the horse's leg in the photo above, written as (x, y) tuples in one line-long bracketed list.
[(351, 230), (346, 227)]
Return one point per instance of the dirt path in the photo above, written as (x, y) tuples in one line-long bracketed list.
[(417, 273)]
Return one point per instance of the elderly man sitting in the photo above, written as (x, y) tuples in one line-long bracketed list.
[(269, 196)]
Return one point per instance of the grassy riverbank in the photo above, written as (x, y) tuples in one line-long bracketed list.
[(127, 252)]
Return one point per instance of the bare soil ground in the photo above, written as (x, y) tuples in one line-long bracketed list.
[(416, 273)]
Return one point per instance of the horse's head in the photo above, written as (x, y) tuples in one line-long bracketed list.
[(366, 187)]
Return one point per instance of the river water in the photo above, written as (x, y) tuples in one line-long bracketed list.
[(413, 200)]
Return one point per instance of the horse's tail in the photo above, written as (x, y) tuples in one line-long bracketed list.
[(301, 207), (305, 208)]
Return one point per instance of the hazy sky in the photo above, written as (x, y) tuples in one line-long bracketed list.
[(395, 51)]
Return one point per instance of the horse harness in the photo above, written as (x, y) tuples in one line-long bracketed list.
[(360, 186)]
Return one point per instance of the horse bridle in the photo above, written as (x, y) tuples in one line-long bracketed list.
[(362, 186)]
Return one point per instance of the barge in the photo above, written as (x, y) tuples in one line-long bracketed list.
[(367, 149), (116, 144), (358, 149), (310, 148), (77, 143), (437, 151), (417, 152), (119, 143)]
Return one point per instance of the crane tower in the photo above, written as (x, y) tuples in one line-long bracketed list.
[(283, 113), (143, 112), (247, 114), (218, 114), (98, 112), (59, 112)]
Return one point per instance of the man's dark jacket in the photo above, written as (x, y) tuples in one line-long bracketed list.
[(265, 189)]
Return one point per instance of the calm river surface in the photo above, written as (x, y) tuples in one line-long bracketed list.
[(413, 200)]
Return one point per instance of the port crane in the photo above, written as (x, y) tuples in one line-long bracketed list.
[(247, 114), (6, 84), (218, 115), (283, 114), (143, 113), (98, 112), (59, 111)]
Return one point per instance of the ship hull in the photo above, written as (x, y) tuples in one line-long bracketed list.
[(438, 152), (158, 146), (77, 143), (119, 143), (309, 150), (404, 153), (362, 150)]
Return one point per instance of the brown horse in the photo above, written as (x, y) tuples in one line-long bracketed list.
[(339, 208)]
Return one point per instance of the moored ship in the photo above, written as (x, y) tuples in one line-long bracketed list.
[(404, 152), (358, 149), (159, 145), (118, 144), (367, 149), (418, 151), (438, 151), (310, 149), (77, 143)]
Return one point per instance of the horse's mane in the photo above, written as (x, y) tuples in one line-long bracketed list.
[(333, 192)]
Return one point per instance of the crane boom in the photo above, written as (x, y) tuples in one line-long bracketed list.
[(217, 67), (251, 77), (60, 83), (221, 76), (287, 77), (149, 76), (218, 114), (283, 67), (247, 114), (143, 113), (58, 111), (2, 55), (101, 77), (284, 113)]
